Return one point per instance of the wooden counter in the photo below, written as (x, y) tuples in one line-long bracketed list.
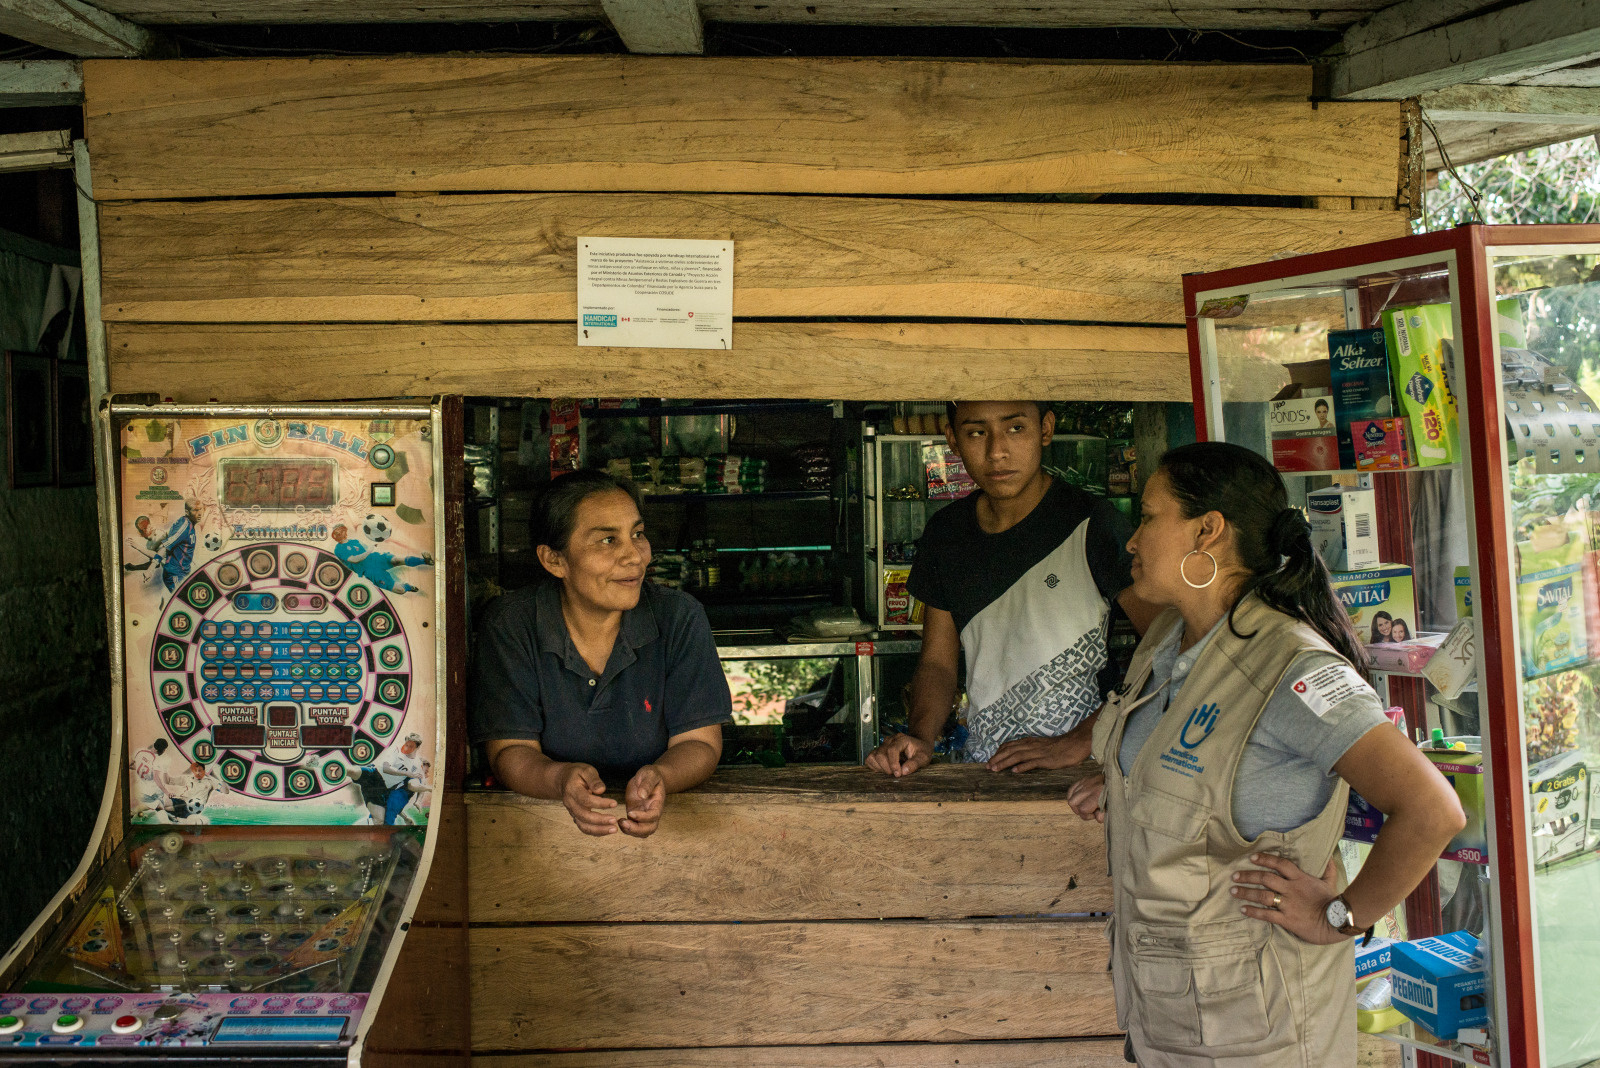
[(801, 916)]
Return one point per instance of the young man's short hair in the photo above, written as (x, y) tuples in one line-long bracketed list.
[(950, 409)]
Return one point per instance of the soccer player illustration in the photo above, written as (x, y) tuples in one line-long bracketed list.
[(155, 770), (194, 793), (376, 567), (421, 799), (176, 546)]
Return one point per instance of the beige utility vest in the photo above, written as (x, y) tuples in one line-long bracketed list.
[(1197, 982)]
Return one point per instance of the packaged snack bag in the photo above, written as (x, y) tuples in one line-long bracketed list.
[(1420, 352), (1550, 599)]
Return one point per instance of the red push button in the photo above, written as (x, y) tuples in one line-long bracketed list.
[(125, 1025)]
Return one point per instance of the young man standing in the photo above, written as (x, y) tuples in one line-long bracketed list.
[(1022, 577)]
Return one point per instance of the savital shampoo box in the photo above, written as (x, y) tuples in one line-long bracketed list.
[(1367, 595), (1359, 369)]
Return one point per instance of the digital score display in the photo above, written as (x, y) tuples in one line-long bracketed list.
[(277, 483)]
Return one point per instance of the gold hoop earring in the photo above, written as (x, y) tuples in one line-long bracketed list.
[(1184, 572)]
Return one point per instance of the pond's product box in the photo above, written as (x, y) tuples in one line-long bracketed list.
[(1439, 982), (1344, 527), (1377, 599), (1304, 434), (1359, 369)]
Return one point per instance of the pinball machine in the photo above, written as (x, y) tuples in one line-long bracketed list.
[(277, 634)]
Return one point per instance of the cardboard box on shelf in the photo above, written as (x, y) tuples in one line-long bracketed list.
[(1419, 354), (1380, 444), (1344, 527), (1378, 599), (1359, 370), (1439, 982), (1464, 770), (1304, 434), (1410, 657)]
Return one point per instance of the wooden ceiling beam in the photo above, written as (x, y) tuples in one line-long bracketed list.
[(1547, 105), (41, 83), (658, 27), (35, 151), (1419, 46), (75, 28)]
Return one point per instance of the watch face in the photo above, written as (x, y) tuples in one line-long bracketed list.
[(1338, 914)]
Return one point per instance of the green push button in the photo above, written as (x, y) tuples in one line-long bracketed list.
[(66, 1024), (10, 1025)]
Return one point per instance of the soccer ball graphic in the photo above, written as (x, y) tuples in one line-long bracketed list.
[(213, 541), (376, 528)]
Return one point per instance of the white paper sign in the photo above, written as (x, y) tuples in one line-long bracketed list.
[(655, 293)]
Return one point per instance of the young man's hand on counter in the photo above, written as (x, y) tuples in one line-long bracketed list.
[(900, 755), (1029, 754)]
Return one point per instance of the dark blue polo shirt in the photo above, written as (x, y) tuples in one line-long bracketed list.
[(663, 678)]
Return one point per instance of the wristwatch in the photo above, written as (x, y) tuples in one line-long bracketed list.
[(1340, 918)]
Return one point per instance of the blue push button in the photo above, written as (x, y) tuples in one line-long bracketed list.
[(255, 602)]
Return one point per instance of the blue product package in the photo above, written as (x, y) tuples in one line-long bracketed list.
[(1374, 957), (1359, 368), (1439, 982)]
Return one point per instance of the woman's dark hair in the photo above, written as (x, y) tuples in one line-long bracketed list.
[(1376, 616), (1403, 626), (1321, 403), (554, 513), (1273, 540)]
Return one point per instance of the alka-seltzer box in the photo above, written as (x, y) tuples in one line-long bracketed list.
[(1550, 606), (1439, 982), (1305, 436), (1359, 369), (1418, 340), (1344, 527), (1377, 599)]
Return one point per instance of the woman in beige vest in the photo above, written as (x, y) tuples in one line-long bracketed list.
[(1229, 753)]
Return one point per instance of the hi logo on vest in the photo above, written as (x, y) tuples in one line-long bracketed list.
[(1196, 729), (1199, 725)]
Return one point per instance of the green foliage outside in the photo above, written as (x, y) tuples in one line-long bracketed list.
[(1555, 184)]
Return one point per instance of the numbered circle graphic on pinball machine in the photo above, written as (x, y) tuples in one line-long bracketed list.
[(278, 666)]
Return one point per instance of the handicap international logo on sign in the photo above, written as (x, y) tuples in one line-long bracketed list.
[(599, 320), (1196, 729)]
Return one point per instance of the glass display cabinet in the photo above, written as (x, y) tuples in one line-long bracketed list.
[(1432, 403)]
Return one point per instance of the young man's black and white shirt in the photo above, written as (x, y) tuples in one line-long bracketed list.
[(1032, 605)]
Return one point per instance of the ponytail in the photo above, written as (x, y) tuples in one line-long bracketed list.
[(1273, 541)]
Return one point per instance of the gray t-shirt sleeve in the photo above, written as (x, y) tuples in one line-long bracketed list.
[(1318, 726), (1320, 709)]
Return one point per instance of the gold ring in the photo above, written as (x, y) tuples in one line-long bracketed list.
[(1277, 900)]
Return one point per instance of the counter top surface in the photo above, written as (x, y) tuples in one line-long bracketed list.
[(849, 784)]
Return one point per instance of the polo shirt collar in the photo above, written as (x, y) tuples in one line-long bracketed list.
[(638, 629)]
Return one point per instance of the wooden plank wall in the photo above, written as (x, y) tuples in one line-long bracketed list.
[(321, 229), (800, 917), (349, 228)]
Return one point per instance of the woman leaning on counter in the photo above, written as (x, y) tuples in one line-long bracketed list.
[(1228, 756), (596, 677)]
